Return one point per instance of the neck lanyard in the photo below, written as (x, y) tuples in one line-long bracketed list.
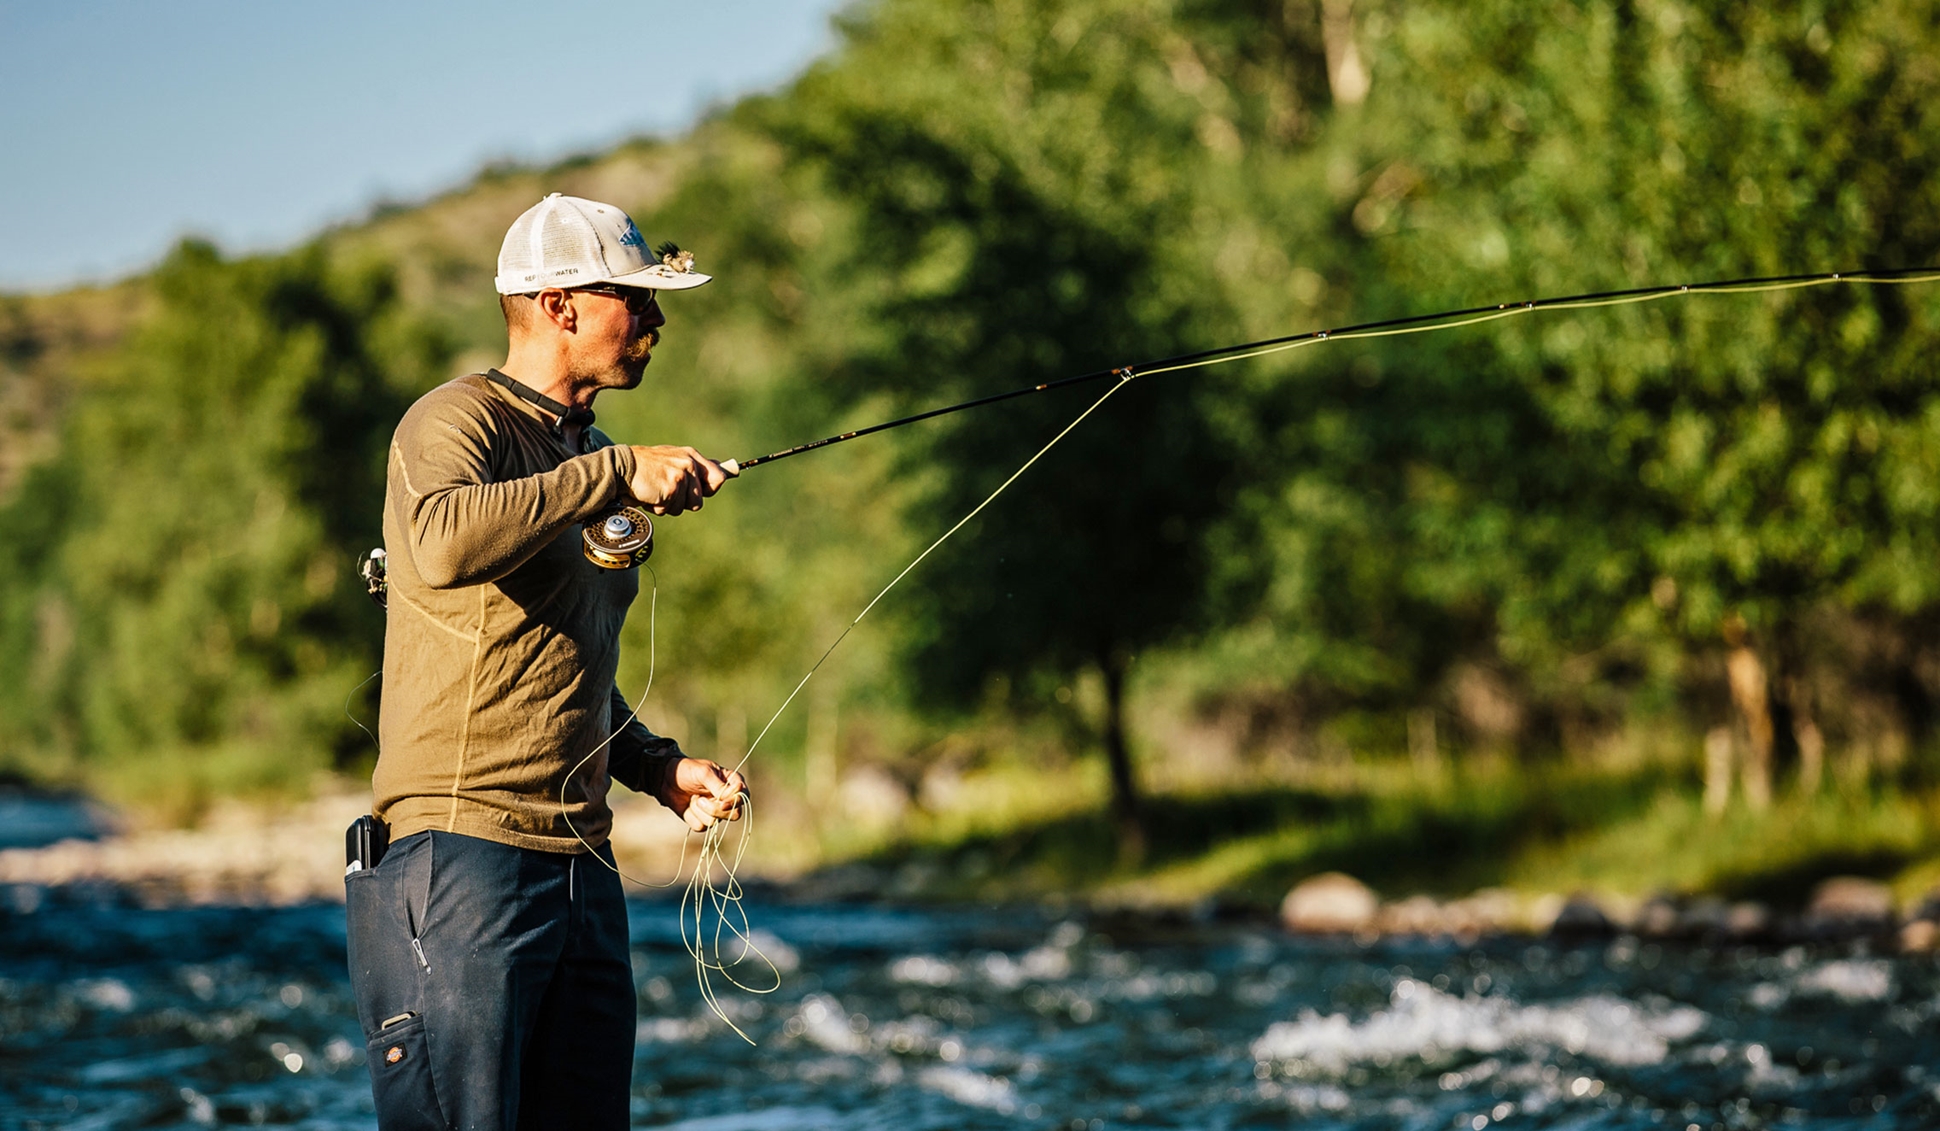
[(563, 415)]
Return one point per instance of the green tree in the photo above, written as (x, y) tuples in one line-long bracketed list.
[(1023, 174), (1597, 497), (189, 557)]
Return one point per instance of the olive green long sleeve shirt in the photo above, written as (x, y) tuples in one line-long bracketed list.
[(501, 639)]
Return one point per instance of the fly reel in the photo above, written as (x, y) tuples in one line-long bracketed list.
[(371, 568), (619, 539)]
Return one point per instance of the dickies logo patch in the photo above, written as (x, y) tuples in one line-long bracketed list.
[(394, 1054)]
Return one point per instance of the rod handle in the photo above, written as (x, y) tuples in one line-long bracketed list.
[(732, 467)]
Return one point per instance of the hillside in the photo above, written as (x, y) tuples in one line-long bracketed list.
[(442, 251), (48, 345)]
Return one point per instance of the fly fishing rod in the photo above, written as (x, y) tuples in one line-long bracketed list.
[(1410, 323), (607, 544)]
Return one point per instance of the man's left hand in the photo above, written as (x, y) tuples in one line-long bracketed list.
[(702, 792)]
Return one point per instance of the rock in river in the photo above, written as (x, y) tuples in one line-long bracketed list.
[(1330, 903), (1845, 904)]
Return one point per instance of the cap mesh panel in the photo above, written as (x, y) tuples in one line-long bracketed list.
[(565, 237)]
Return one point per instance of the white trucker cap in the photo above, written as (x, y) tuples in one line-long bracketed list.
[(567, 241)]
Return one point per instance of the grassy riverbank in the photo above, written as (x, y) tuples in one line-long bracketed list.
[(1627, 832)]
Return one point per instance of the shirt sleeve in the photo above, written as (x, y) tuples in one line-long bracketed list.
[(464, 527), (638, 758)]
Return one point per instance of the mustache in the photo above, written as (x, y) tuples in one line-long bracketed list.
[(640, 347)]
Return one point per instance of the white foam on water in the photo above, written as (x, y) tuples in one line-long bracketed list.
[(1851, 980), (969, 1087), (1049, 962), (1146, 986), (105, 993), (671, 1030), (1771, 1080), (916, 1033), (924, 970), (1066, 935), (1001, 971), (1425, 1024), (1046, 963), (762, 944), (1039, 964), (1310, 1098), (827, 1024)]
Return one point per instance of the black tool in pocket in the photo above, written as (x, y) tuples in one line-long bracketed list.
[(364, 843)]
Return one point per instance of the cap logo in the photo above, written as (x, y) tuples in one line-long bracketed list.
[(630, 237)]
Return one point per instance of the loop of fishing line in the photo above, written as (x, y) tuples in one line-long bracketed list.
[(354, 718), (703, 892)]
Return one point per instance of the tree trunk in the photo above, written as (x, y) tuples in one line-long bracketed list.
[(1717, 771), (1125, 809), (1752, 694), (1805, 732)]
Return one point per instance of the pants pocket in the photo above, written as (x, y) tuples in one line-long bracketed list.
[(400, 1079), (362, 902)]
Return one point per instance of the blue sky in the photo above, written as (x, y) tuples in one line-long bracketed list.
[(125, 124)]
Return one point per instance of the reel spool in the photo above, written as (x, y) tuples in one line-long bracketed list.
[(619, 539)]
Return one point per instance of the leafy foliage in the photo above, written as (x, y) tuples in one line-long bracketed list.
[(1602, 494), (196, 617)]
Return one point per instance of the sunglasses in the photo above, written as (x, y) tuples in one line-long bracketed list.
[(640, 301)]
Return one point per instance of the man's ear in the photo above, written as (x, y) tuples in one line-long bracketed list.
[(556, 307)]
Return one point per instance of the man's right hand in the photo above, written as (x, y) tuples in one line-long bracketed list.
[(669, 480)]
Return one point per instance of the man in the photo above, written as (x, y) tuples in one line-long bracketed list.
[(488, 948)]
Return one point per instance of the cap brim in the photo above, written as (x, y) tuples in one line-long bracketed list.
[(659, 277)]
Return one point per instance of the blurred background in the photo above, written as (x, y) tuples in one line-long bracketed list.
[(1632, 600)]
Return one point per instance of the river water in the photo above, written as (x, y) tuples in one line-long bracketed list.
[(114, 1016)]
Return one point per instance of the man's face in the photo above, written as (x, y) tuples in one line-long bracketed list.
[(617, 330)]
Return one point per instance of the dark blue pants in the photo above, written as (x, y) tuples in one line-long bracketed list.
[(493, 986)]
